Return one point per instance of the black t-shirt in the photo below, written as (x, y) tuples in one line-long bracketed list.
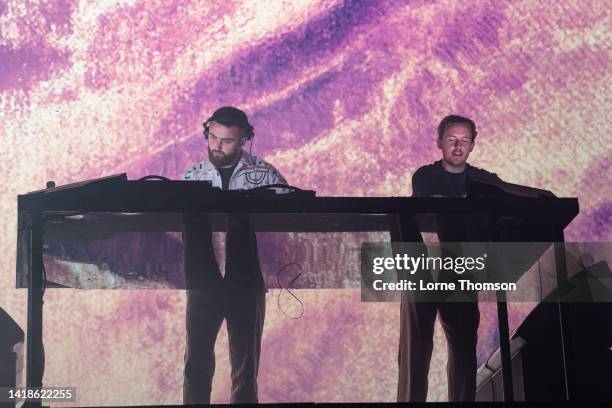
[(226, 175), (432, 179)]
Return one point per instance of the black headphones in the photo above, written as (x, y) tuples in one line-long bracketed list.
[(230, 116)]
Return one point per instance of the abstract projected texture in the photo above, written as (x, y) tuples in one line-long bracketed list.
[(344, 96)]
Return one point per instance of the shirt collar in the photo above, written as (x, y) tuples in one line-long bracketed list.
[(245, 158), (467, 170)]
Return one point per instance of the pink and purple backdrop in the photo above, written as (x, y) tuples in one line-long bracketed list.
[(345, 97)]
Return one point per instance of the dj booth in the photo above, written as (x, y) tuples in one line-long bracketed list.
[(94, 210)]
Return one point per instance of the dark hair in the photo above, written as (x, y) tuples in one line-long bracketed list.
[(454, 119), (230, 116)]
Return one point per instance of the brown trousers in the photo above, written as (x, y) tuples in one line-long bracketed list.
[(459, 320), (460, 323)]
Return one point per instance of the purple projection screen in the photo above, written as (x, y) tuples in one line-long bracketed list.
[(345, 97)]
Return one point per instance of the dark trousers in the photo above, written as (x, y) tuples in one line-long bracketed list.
[(244, 313), (460, 323), (239, 298)]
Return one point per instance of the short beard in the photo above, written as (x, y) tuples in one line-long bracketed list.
[(223, 160)]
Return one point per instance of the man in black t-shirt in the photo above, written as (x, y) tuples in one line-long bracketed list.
[(445, 177)]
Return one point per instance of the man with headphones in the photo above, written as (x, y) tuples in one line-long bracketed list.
[(239, 295)]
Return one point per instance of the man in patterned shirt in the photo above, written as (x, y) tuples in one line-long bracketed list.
[(239, 296)]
